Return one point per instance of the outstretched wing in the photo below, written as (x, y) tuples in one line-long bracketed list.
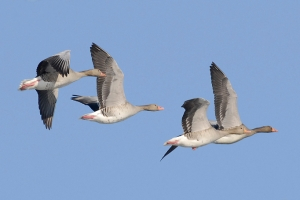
[(90, 101), (225, 99), (109, 88), (47, 101), (49, 68), (172, 148), (194, 118)]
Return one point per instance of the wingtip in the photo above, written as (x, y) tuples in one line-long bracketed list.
[(214, 66), (48, 123), (94, 45), (214, 69), (74, 96), (172, 148), (48, 126)]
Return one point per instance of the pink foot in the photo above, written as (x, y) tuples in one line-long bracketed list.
[(172, 142), (88, 117), (194, 148)]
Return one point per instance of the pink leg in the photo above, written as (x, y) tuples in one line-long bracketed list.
[(194, 148)]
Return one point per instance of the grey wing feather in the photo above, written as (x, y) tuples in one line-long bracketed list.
[(194, 118), (47, 101), (225, 99), (92, 102), (109, 88), (49, 68)]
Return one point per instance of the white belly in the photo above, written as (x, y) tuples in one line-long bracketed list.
[(109, 120), (115, 114), (229, 139), (43, 85), (60, 82), (203, 138)]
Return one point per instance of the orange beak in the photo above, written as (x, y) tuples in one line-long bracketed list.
[(160, 108), (247, 131), (274, 130)]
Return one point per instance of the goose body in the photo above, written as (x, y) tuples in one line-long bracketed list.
[(226, 110), (113, 114), (53, 73), (197, 129), (112, 104)]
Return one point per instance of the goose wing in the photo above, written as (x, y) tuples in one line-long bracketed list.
[(47, 101), (49, 68), (109, 88), (90, 101), (194, 118), (225, 99)]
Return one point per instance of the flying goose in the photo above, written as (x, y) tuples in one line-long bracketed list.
[(113, 106), (53, 73), (226, 110), (197, 130)]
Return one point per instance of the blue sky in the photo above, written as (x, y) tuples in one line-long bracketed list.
[(165, 49)]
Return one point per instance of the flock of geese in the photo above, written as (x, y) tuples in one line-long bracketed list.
[(110, 104)]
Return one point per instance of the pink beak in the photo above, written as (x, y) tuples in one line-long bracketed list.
[(160, 108), (247, 131), (274, 130)]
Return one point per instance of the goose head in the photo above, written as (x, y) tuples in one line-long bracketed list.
[(93, 72), (152, 107), (264, 129)]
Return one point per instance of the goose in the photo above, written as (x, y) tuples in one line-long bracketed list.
[(113, 106), (197, 130), (226, 110), (53, 73)]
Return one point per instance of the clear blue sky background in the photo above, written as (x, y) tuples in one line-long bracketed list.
[(165, 49)]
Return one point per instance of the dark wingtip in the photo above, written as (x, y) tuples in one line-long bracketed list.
[(214, 66), (48, 123), (172, 148), (94, 46), (215, 69), (74, 96)]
